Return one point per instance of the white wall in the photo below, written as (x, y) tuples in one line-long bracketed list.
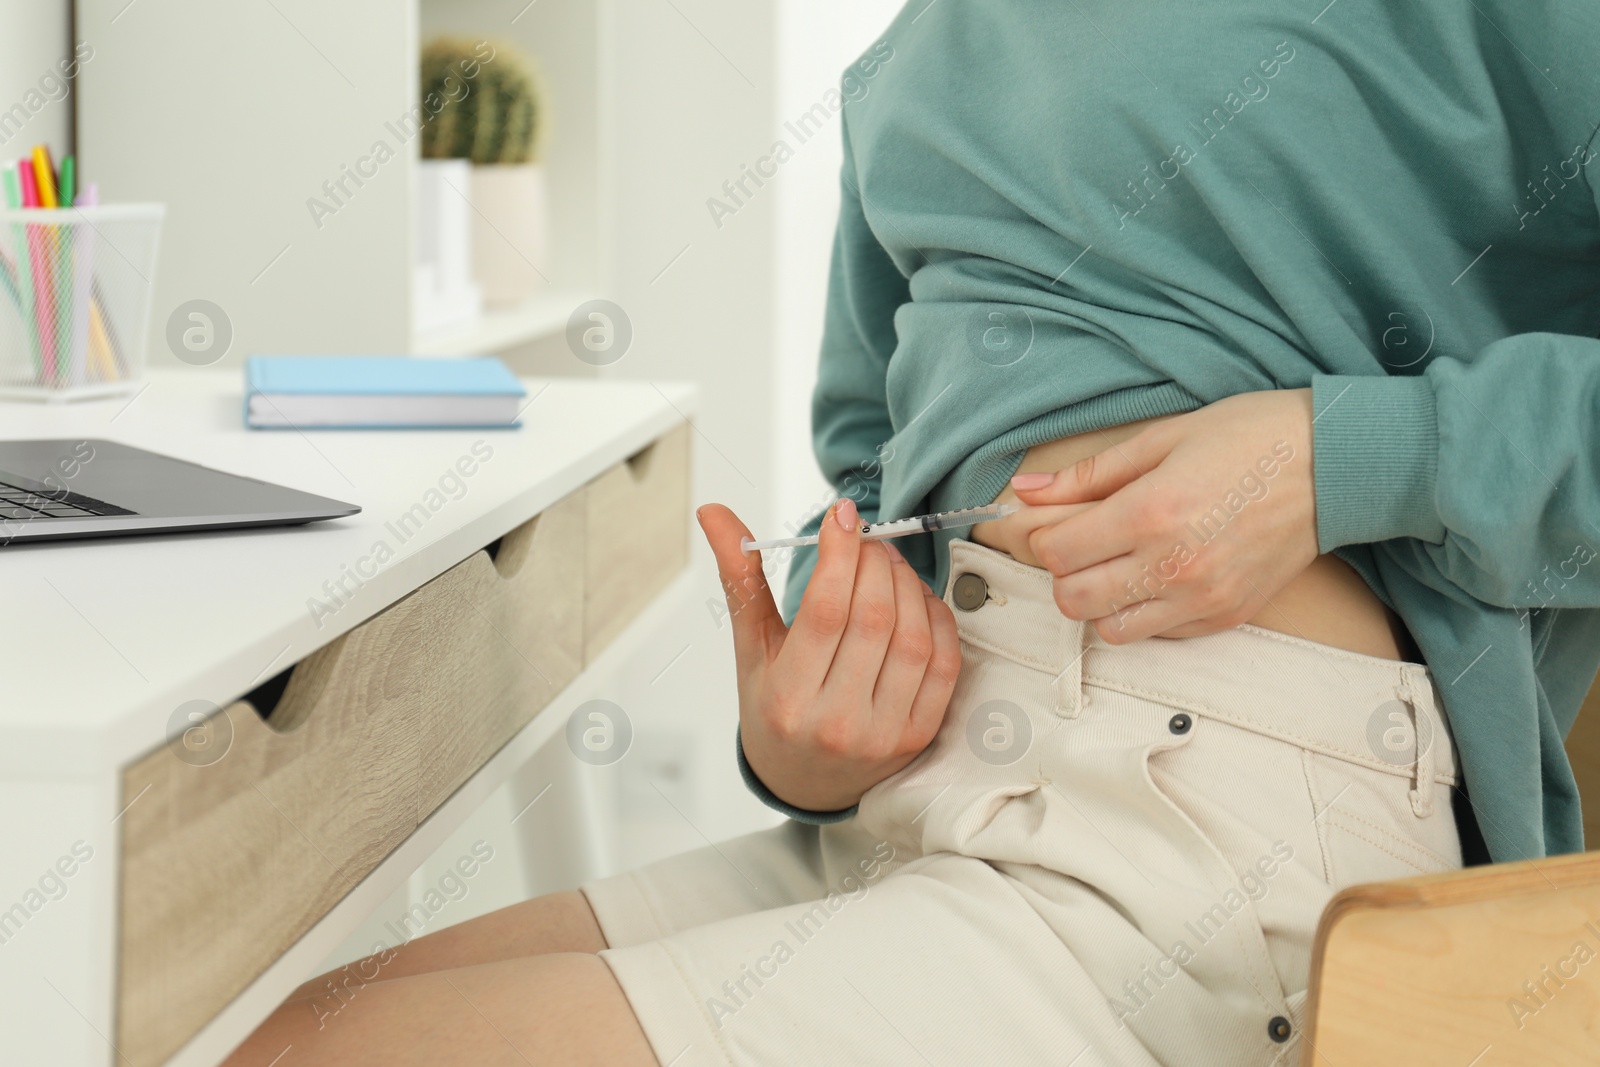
[(817, 39), (703, 92), (689, 93), (236, 115), (33, 42)]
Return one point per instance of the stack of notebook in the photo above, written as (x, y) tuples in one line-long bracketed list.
[(379, 392)]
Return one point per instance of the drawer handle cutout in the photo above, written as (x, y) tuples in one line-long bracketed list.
[(266, 696), (510, 552), (639, 462), (285, 701)]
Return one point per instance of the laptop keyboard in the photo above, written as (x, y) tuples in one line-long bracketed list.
[(17, 502)]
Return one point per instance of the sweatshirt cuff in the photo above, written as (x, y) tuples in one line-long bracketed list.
[(767, 797), (1375, 454)]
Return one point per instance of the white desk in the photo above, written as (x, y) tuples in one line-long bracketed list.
[(101, 642)]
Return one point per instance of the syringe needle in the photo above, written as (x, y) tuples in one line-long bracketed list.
[(882, 531)]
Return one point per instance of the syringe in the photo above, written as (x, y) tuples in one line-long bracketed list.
[(880, 531)]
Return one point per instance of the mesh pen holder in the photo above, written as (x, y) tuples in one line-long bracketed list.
[(75, 288)]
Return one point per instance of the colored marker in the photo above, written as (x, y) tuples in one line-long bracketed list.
[(69, 181), (44, 177), (13, 187)]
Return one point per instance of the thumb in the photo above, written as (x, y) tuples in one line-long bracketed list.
[(1094, 477), (757, 626)]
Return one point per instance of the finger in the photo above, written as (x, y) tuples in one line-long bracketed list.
[(1098, 476), (1020, 525), (1080, 541), (939, 681), (802, 664), (859, 658), (910, 647), (1215, 616), (1106, 588), (1145, 619), (758, 628)]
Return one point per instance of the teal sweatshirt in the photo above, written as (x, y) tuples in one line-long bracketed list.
[(1059, 216)]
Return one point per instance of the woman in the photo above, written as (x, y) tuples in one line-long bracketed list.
[(1281, 319)]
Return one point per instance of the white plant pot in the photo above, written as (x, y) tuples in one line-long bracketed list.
[(508, 230), (443, 292), (444, 228)]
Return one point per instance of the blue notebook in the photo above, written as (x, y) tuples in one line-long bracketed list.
[(379, 392)]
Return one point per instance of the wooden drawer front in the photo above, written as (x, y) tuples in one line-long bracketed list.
[(638, 536), (225, 866)]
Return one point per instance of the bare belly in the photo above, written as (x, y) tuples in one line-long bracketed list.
[(1328, 602)]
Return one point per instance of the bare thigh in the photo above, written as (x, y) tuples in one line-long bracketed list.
[(561, 1007), (555, 922), (502, 987)]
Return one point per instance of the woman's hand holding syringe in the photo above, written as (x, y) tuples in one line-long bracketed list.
[(858, 686)]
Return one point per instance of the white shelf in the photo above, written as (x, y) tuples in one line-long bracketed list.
[(499, 329)]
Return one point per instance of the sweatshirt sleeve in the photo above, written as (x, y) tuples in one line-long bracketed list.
[(850, 426), (1492, 465)]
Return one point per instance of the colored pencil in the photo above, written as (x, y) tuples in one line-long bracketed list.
[(101, 345), (79, 244)]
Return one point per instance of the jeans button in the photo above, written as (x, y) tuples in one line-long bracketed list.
[(1278, 1029), (1180, 723), (970, 591)]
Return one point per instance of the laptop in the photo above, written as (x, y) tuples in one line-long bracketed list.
[(57, 490)]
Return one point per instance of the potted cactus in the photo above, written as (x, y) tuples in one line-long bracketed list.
[(489, 113)]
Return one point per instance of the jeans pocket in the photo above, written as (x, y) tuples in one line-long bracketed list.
[(1245, 794), (1367, 827), (983, 758)]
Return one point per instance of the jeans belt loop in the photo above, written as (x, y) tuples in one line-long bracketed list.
[(1070, 695), (1422, 765)]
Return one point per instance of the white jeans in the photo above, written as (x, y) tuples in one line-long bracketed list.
[(1108, 855)]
